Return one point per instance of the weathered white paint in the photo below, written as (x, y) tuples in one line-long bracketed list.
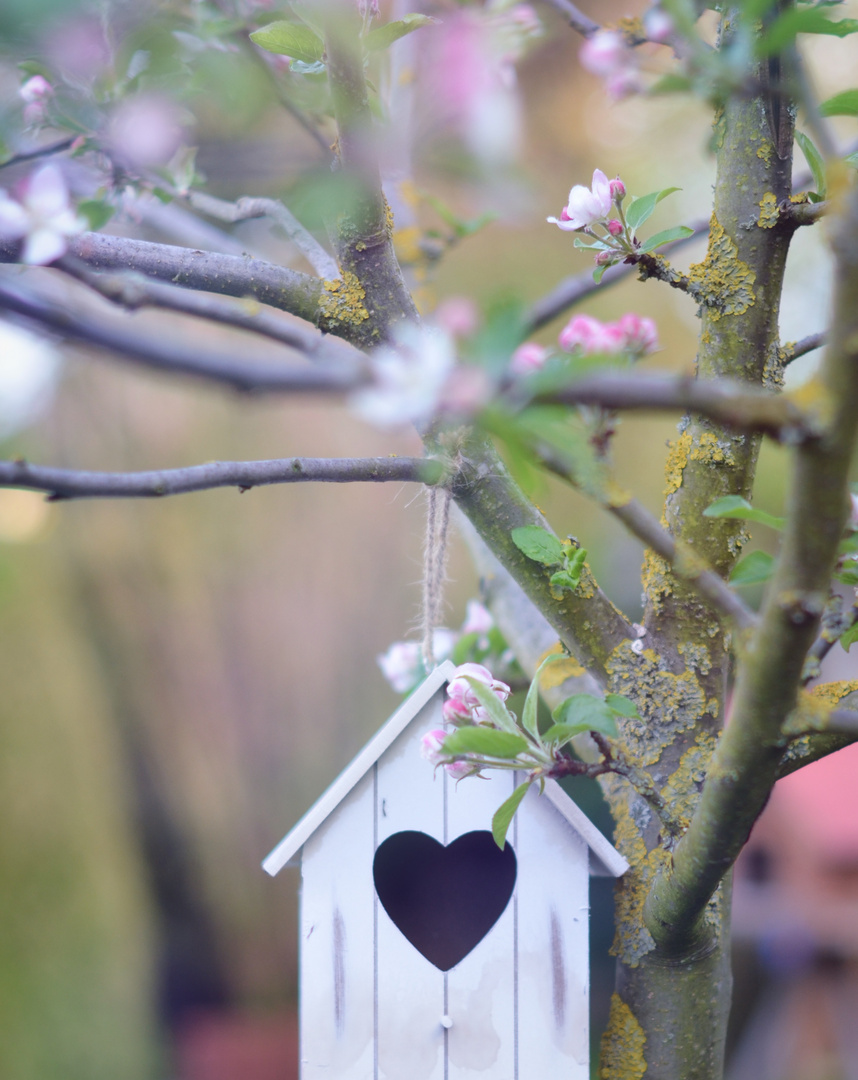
[(372, 1007), (337, 1021), (553, 943)]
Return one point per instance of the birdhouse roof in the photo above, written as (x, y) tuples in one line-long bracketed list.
[(605, 860)]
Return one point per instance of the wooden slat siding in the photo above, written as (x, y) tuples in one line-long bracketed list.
[(605, 860), (359, 766), (336, 945), (553, 944), (481, 991), (410, 989)]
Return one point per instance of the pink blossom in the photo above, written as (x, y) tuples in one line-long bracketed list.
[(618, 190), (639, 332), (623, 83), (458, 770), (659, 26), (35, 93), (604, 52), (463, 702), (614, 226), (586, 206), (432, 745), (42, 214), (528, 357), (478, 619), (146, 130), (458, 315), (588, 335), (402, 665)]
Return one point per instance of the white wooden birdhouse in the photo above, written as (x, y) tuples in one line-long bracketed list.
[(427, 953)]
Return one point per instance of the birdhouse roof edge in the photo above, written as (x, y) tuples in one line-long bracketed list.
[(325, 805), (605, 860)]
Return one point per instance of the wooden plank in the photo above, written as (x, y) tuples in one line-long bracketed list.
[(605, 860), (481, 989), (553, 943), (328, 802), (410, 797), (336, 943)]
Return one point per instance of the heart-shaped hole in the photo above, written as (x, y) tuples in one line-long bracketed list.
[(444, 899)]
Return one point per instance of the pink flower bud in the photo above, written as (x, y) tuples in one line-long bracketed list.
[(604, 52), (614, 227), (618, 190), (639, 334), (456, 711), (458, 315), (458, 770), (528, 357), (658, 26), (36, 88), (478, 619), (603, 258), (432, 745)]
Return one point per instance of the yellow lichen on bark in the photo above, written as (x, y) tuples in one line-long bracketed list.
[(768, 211), (342, 300), (623, 1044), (561, 670), (726, 283)]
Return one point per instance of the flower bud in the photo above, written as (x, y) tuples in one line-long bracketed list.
[(614, 227), (618, 190)]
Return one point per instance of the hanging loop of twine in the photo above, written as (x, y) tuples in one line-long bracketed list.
[(434, 567)]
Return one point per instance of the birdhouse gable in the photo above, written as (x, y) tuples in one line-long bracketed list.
[(604, 859)]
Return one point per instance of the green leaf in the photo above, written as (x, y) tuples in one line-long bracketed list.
[(382, 37), (666, 236), (499, 714), (753, 569), (587, 712), (623, 706), (845, 104), (852, 160), (849, 637), (506, 812), (538, 544), (734, 506), (847, 577), (641, 209), (671, 84), (290, 39), (564, 580), (813, 20), (307, 15), (485, 741), (96, 211), (558, 734), (597, 273), (816, 162)]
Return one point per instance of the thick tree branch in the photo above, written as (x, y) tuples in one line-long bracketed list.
[(727, 402), (74, 484), (747, 759), (127, 343), (39, 152), (232, 275)]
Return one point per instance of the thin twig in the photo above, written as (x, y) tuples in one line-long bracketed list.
[(128, 344), (576, 19), (247, 208), (578, 287), (74, 484), (685, 563), (40, 152), (133, 291), (801, 348)]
